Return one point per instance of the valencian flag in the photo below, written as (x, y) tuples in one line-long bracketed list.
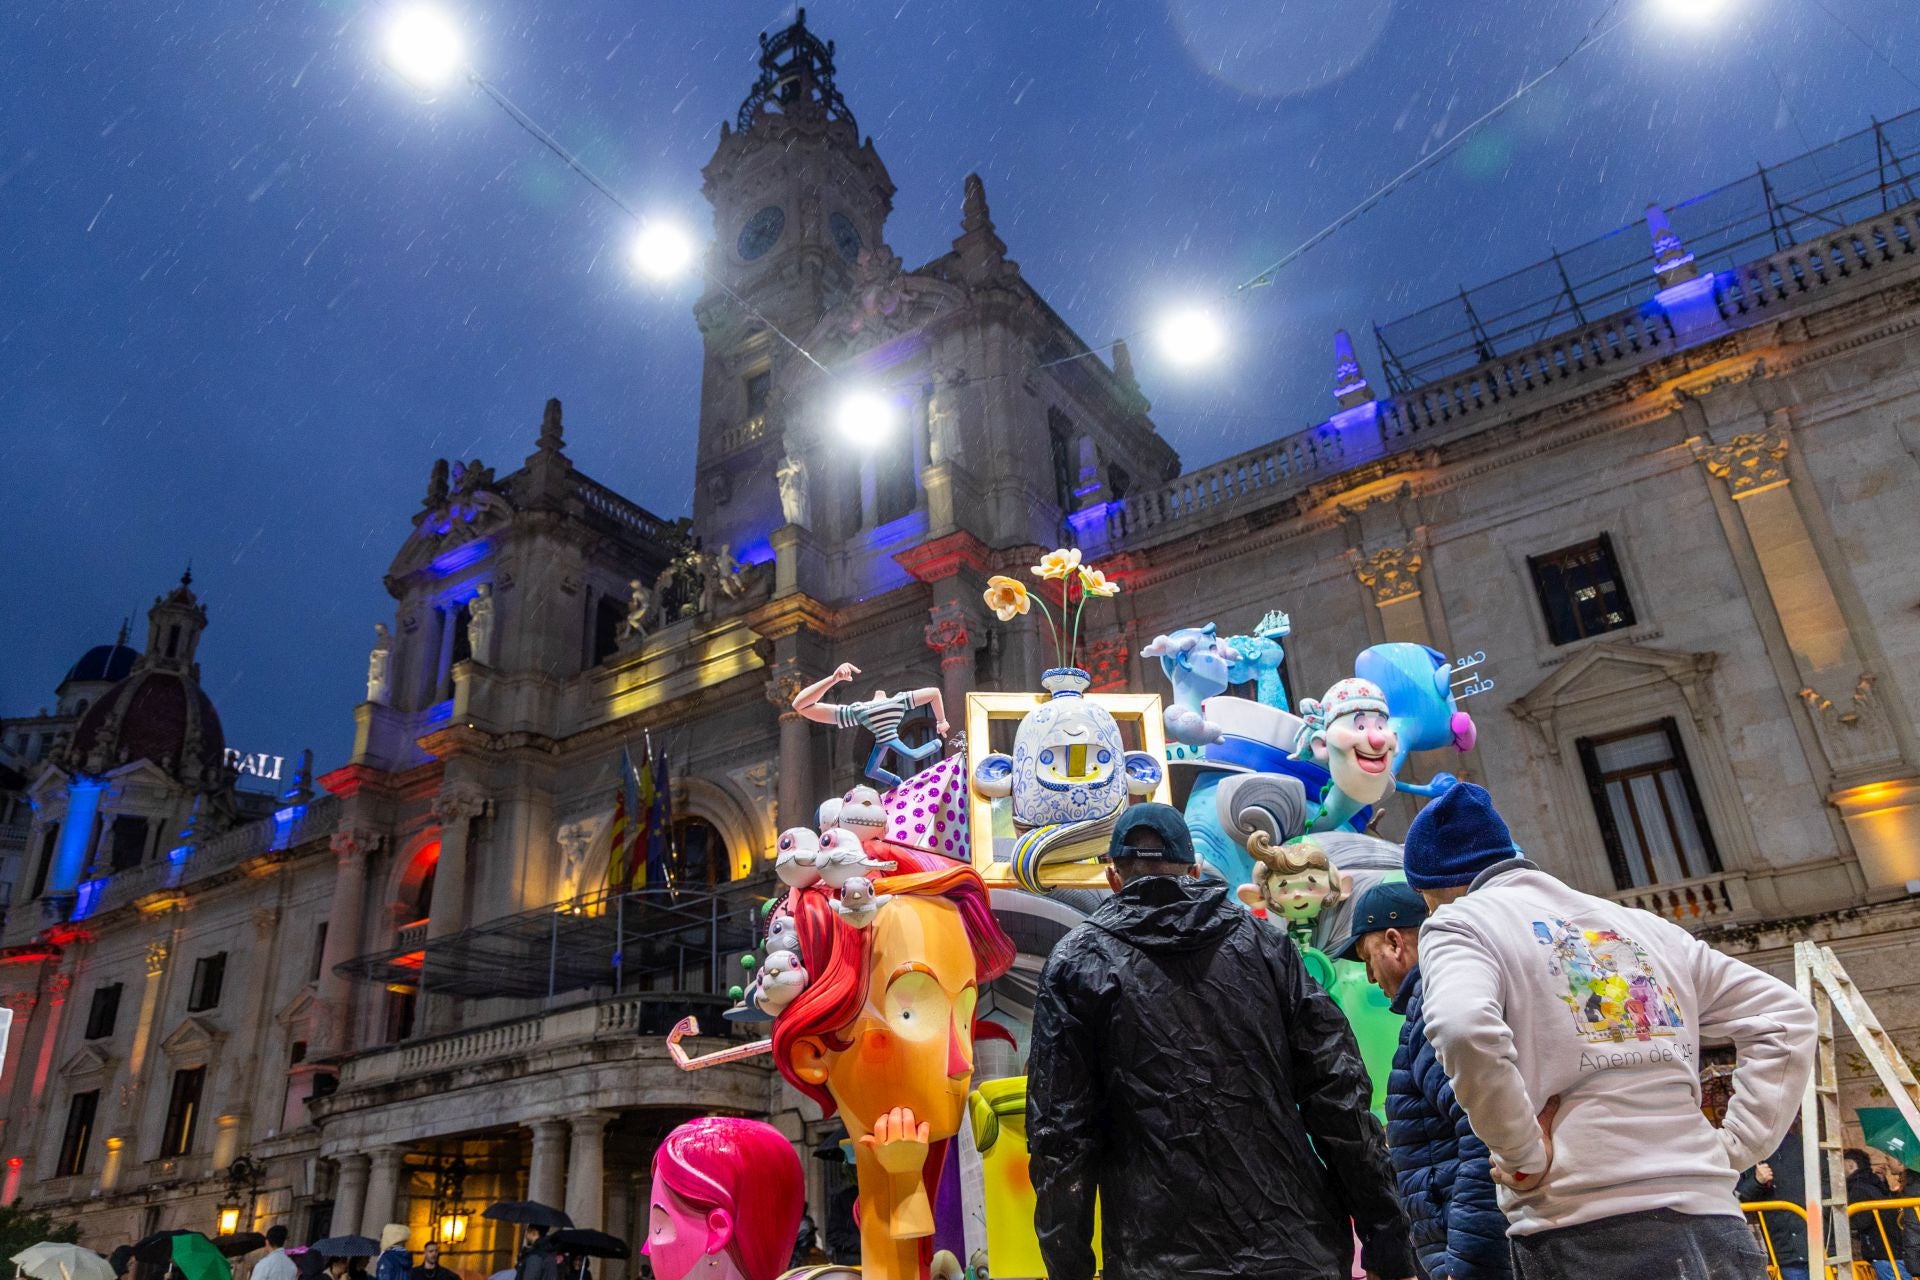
[(629, 818)]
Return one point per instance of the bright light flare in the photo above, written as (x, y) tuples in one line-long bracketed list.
[(1692, 12), (662, 250), (865, 417), (1191, 337), (425, 47)]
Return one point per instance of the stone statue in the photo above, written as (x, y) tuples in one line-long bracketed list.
[(943, 416), (725, 570), (792, 476), (480, 625), (634, 629), (575, 840), (380, 664)]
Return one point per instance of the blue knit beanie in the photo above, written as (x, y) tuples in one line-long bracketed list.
[(1455, 838)]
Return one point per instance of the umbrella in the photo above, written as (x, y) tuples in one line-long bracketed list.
[(197, 1259), (508, 1274), (120, 1259), (309, 1263), (527, 1212), (190, 1251), (55, 1261), (584, 1243), (347, 1247), (239, 1242), (1886, 1129)]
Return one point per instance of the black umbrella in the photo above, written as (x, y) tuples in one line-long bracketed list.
[(238, 1243), (584, 1243), (530, 1213), (157, 1248), (309, 1263), (120, 1259), (346, 1247)]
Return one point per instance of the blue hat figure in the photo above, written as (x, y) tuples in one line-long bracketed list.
[(1455, 838)]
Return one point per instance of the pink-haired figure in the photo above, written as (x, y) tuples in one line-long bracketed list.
[(726, 1201)]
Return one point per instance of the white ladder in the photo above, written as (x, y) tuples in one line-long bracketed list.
[(1820, 977)]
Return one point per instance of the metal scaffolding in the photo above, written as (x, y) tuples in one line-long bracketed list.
[(644, 940)]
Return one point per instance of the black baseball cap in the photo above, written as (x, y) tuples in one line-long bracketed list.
[(1162, 819), (1391, 904)]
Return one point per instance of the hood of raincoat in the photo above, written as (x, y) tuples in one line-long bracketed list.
[(1168, 913)]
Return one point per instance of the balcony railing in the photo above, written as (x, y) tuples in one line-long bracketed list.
[(288, 829), (604, 501), (748, 432), (647, 1014), (1716, 899), (1517, 381)]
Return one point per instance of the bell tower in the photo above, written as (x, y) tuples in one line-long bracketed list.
[(797, 198)]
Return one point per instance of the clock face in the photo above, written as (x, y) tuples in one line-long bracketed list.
[(846, 236), (762, 231)]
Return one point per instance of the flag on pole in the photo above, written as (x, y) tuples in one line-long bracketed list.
[(628, 818), (659, 823), (641, 871)]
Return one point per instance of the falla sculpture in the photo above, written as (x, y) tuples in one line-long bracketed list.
[(725, 1202)]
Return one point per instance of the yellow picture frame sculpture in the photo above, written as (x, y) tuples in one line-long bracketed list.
[(1142, 710)]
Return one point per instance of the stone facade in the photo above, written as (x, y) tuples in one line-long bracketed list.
[(430, 1000)]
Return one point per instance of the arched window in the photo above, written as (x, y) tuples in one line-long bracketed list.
[(698, 856)]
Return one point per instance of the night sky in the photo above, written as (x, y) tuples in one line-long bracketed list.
[(251, 286)]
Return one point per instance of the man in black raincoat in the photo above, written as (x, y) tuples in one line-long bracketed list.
[(1187, 1070)]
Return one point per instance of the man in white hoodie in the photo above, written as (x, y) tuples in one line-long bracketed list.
[(1571, 1028)]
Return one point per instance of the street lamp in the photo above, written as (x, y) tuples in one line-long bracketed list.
[(1191, 336), (662, 250), (865, 417), (450, 1215), (243, 1184), (425, 47)]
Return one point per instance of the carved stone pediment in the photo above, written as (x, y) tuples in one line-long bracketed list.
[(464, 518), (89, 1062), (195, 1037), (1605, 671)]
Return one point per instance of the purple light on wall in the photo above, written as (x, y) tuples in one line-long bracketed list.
[(1365, 414), (759, 551), (1089, 519), (458, 558)]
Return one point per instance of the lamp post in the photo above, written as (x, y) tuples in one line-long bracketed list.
[(450, 1212), (243, 1184)]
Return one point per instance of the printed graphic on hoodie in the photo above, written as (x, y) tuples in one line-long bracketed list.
[(1613, 990)]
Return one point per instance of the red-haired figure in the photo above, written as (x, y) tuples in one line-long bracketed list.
[(726, 1201), (883, 1034)]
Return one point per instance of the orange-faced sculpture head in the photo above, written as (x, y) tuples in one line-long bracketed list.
[(886, 1020)]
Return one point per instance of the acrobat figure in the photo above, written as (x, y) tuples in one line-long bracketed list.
[(880, 715)]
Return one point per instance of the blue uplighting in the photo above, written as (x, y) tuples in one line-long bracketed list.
[(759, 551), (284, 821), (1365, 413), (88, 899), (458, 558)]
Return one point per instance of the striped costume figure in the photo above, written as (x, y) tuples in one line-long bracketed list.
[(881, 716)]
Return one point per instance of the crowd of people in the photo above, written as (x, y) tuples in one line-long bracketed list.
[(1543, 1111)]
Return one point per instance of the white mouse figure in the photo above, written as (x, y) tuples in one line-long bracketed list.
[(858, 904), (781, 980), (797, 858), (842, 857), (783, 935)]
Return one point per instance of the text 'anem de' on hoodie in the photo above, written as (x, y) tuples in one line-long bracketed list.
[(1536, 990)]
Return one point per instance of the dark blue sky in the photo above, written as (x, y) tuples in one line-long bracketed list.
[(250, 288)]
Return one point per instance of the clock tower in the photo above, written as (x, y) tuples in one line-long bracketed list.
[(797, 198)]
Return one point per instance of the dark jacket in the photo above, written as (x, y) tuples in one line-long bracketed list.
[(1787, 1231), (1444, 1173), (538, 1262), (394, 1264), (1186, 1069), (1865, 1184)]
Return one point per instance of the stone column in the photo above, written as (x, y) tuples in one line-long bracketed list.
[(383, 1189), (546, 1173), (1876, 793), (335, 994), (586, 1169), (350, 1193), (619, 1225), (443, 665), (795, 802), (949, 636), (456, 807), (1392, 575)]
